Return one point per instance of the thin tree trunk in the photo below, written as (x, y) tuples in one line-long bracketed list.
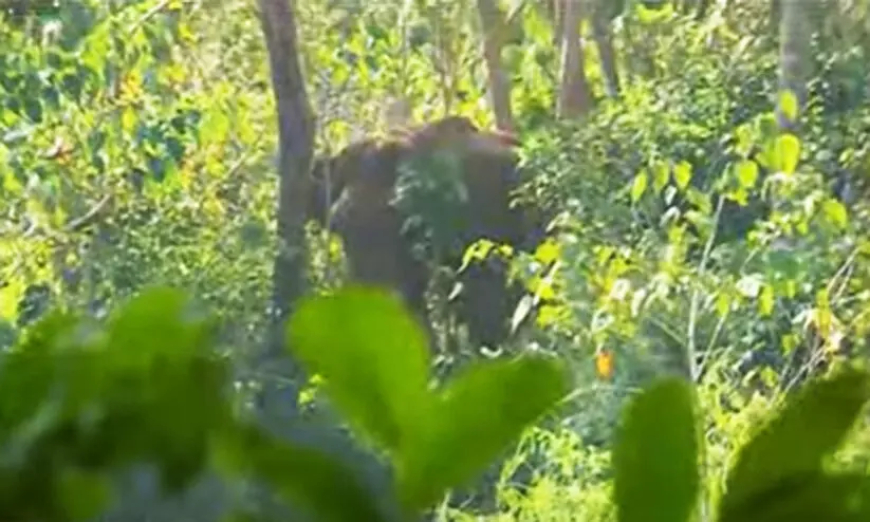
[(295, 145), (601, 19), (775, 15), (796, 30), (492, 24), (574, 97), (558, 20)]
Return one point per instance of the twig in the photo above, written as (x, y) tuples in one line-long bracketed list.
[(147, 16), (89, 216), (696, 295)]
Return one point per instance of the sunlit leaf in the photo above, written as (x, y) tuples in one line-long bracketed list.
[(788, 104), (638, 186), (547, 252), (766, 301), (683, 174), (747, 173), (836, 213), (662, 176), (787, 150)]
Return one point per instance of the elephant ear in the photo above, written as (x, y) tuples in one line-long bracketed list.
[(378, 164)]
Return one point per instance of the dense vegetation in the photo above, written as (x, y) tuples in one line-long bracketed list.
[(705, 166)]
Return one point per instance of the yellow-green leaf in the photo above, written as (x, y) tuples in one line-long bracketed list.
[(639, 186), (766, 301), (129, 119), (547, 252), (836, 213), (683, 174), (747, 173), (10, 295), (788, 151), (662, 175), (723, 304), (788, 104)]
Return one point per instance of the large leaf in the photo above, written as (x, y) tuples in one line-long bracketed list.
[(372, 356), (794, 444), (478, 415), (149, 391), (810, 498), (656, 456)]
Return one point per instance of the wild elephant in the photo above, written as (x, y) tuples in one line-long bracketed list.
[(381, 198)]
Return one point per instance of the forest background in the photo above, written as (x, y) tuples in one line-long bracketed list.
[(709, 163)]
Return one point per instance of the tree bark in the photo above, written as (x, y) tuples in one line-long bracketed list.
[(574, 100), (795, 30), (492, 25), (558, 20), (295, 151)]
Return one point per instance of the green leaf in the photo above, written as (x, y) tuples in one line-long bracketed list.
[(788, 104), (215, 127), (158, 370), (683, 174), (747, 173), (836, 213), (793, 445), (787, 151), (766, 301), (638, 187), (373, 359), (656, 456), (816, 496), (662, 176), (479, 414), (129, 119)]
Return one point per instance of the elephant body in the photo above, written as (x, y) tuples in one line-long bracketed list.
[(359, 193)]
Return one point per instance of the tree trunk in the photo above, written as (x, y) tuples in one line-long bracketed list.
[(558, 14), (573, 86), (775, 15), (601, 20), (295, 146), (492, 25), (795, 31)]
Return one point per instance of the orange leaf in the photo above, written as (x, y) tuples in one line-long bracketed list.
[(604, 363)]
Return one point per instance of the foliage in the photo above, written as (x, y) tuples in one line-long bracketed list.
[(692, 237), (432, 194), (78, 395)]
